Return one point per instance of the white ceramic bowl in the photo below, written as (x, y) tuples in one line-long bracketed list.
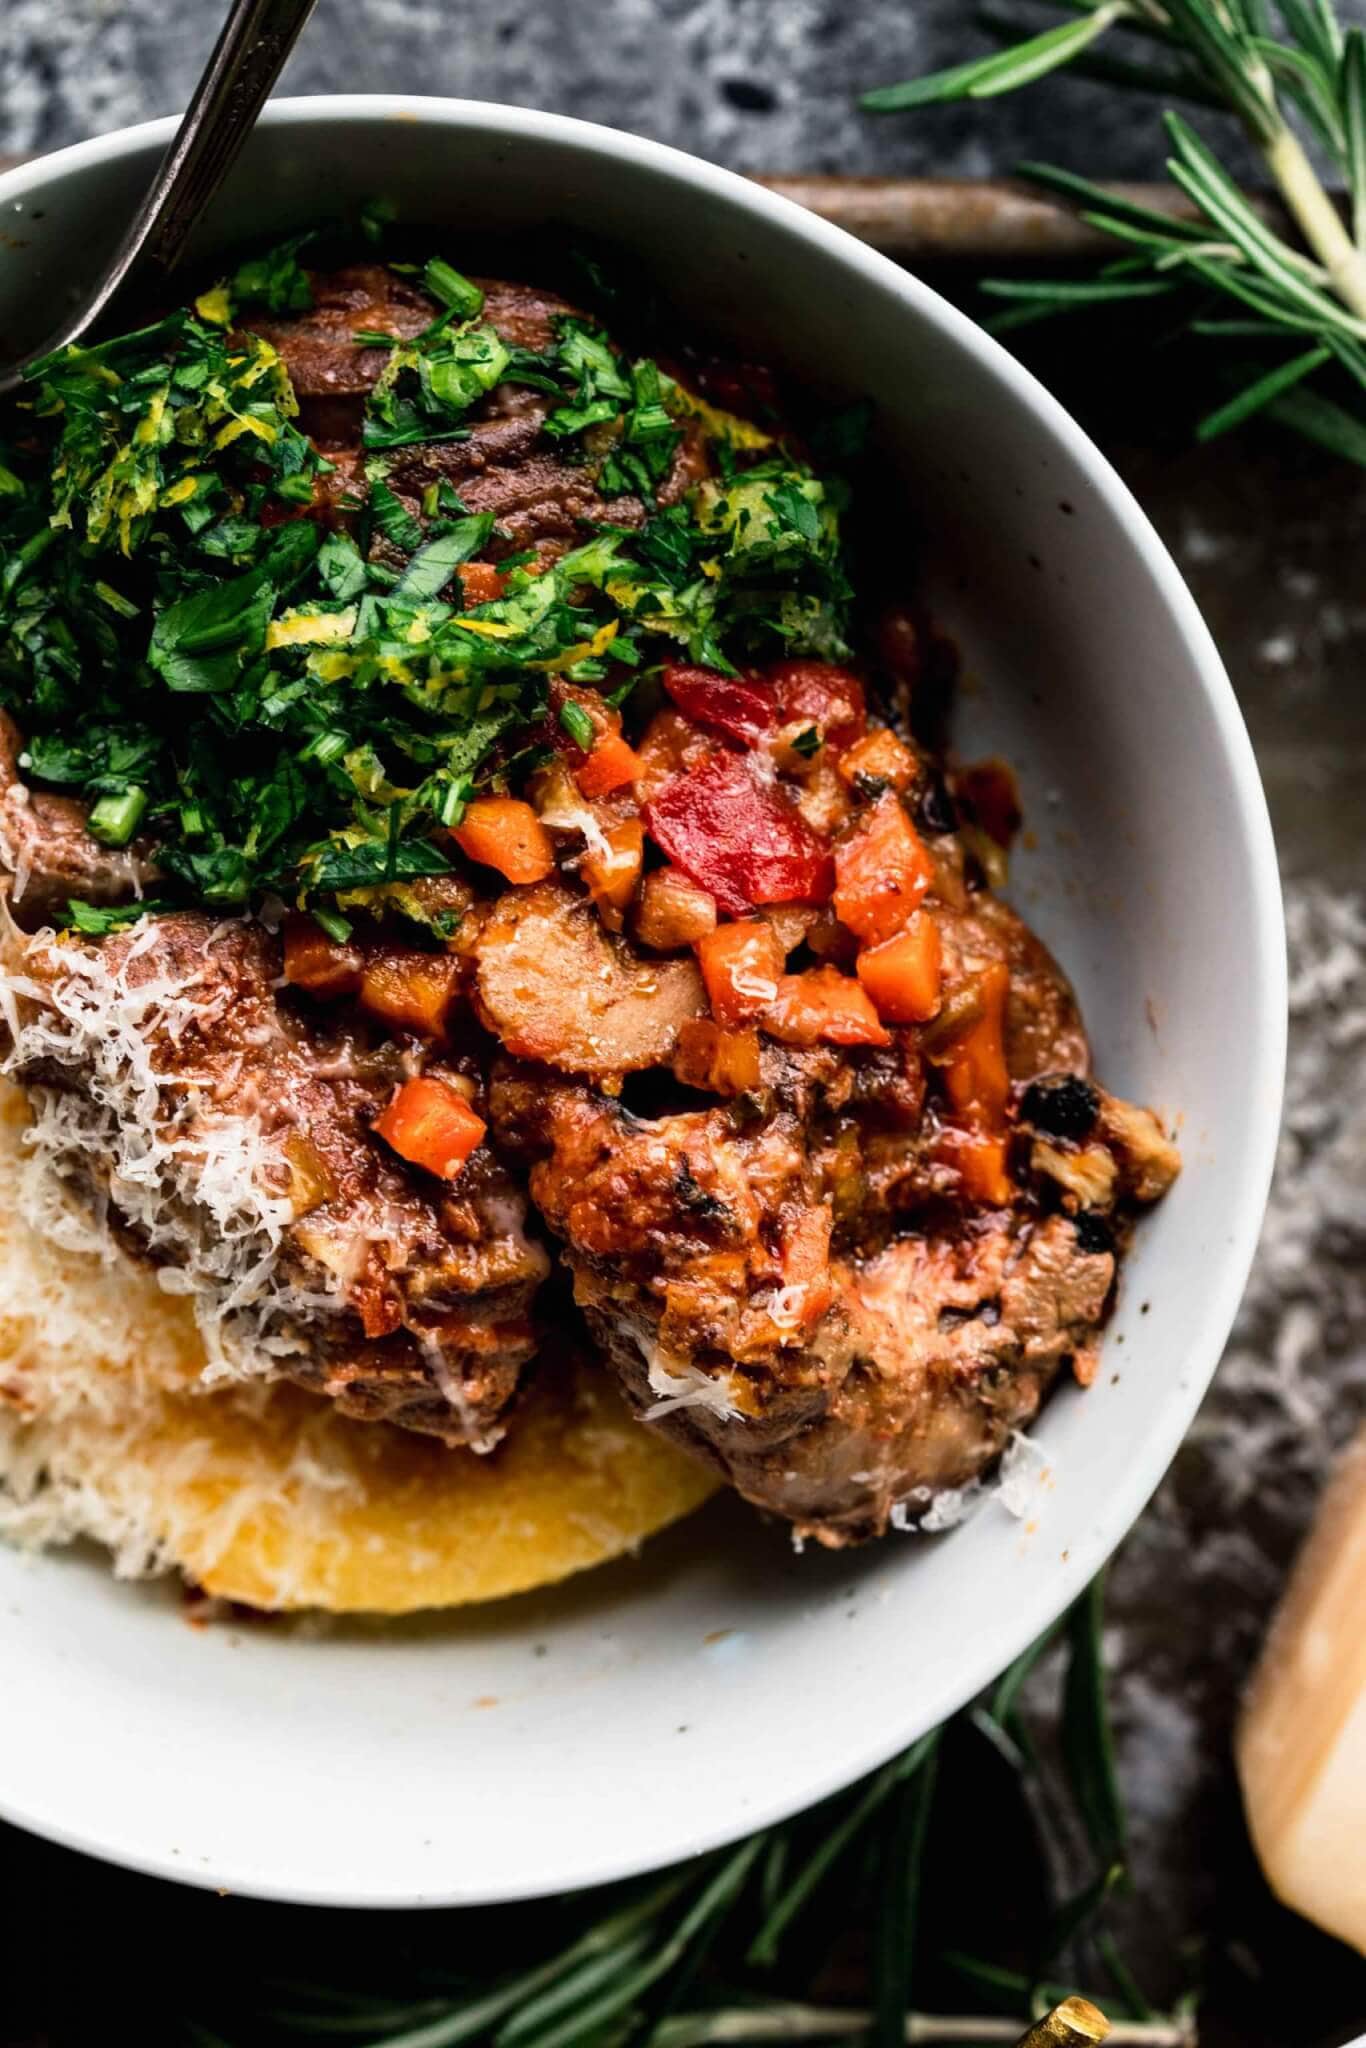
[(661, 1706)]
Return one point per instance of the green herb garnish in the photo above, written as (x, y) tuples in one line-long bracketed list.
[(577, 723), (280, 707)]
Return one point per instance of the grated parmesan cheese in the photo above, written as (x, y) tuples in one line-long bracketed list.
[(680, 1385), (192, 1181)]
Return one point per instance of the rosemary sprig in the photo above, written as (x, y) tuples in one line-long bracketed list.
[(1290, 73), (743, 1947)]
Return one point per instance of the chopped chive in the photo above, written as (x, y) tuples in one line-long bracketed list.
[(325, 747), (577, 724), (116, 600), (115, 819), (450, 808), (337, 927), (456, 292)]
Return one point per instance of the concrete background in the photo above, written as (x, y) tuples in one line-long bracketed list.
[(757, 84)]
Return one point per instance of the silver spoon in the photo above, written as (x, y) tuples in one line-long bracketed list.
[(247, 59)]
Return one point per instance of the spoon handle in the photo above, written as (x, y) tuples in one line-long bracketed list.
[(257, 37), (248, 57)]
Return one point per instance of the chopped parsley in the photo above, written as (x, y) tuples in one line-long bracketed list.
[(291, 708)]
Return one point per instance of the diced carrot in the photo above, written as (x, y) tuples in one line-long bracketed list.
[(409, 990), (976, 1078), (673, 911), (480, 582), (722, 1062), (318, 964), (611, 875), (980, 1160), (503, 832), (741, 964), (902, 975), (878, 757), (823, 1004), (430, 1124), (881, 872), (612, 763)]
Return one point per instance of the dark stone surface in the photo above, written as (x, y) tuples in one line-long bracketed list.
[(758, 84), (1269, 537)]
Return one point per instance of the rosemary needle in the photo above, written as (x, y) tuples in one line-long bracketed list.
[(1295, 78), (736, 1947)]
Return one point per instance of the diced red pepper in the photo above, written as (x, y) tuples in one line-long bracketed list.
[(431, 1124), (883, 872), (738, 836), (738, 706), (823, 1004), (741, 964), (318, 964)]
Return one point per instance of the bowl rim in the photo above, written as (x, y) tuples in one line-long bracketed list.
[(1264, 1021)]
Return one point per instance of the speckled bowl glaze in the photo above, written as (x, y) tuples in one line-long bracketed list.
[(661, 1706)]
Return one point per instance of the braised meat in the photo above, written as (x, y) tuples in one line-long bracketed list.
[(615, 905), (46, 849), (796, 1287), (542, 500), (226, 1132)]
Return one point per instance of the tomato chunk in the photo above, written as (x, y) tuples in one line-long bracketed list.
[(612, 764), (409, 990), (976, 1078), (318, 964), (741, 966), (430, 1124), (504, 833), (882, 871), (826, 696), (823, 1004), (738, 837), (740, 707), (902, 975), (719, 1061)]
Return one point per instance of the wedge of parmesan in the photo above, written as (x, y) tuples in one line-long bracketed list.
[(1302, 1742)]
